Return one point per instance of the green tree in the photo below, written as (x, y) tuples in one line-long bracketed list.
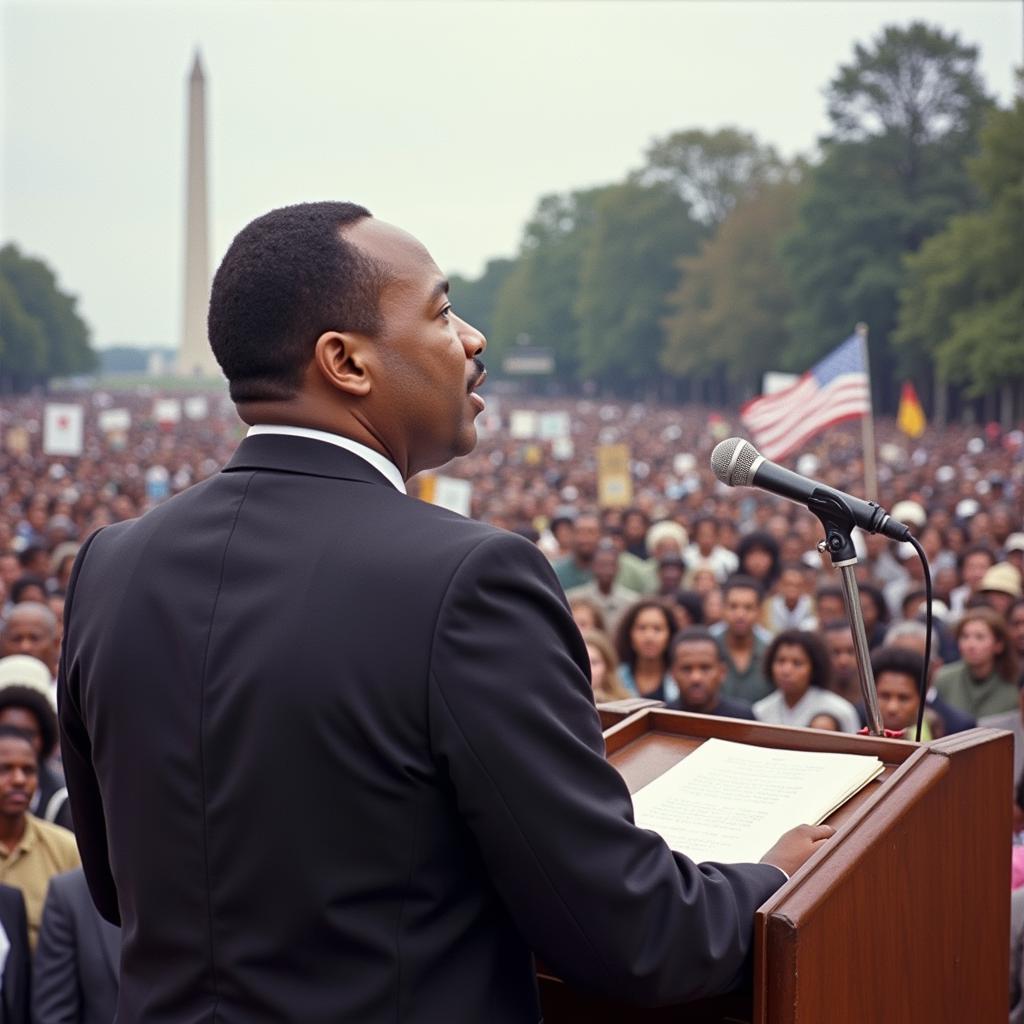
[(905, 115), (963, 301), (732, 302), (22, 342), (37, 300), (711, 171), (537, 297), (634, 244), (475, 300)]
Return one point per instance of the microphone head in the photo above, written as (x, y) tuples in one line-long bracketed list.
[(733, 460)]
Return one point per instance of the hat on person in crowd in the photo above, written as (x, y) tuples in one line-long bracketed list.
[(909, 512), (61, 551), (966, 508), (24, 670), (667, 529), (1015, 542), (1002, 578)]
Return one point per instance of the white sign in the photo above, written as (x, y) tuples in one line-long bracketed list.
[(563, 449), (62, 429), (523, 425), (453, 494), (167, 410), (114, 419), (196, 407), (553, 425)]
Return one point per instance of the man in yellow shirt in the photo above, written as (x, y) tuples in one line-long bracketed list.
[(31, 851)]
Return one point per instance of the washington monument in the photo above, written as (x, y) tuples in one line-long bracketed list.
[(194, 356)]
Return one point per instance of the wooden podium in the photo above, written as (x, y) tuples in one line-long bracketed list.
[(903, 916)]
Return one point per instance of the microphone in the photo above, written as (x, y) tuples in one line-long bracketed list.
[(739, 464)]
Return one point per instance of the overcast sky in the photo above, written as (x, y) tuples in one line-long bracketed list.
[(449, 119)]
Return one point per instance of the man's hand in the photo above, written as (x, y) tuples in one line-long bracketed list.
[(796, 846)]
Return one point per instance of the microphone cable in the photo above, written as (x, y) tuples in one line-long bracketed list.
[(928, 631)]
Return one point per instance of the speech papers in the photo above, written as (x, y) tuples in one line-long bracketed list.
[(730, 802)]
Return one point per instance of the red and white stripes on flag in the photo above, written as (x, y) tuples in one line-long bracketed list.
[(833, 390)]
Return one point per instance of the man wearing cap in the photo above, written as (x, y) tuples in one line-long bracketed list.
[(1000, 587), (1013, 551)]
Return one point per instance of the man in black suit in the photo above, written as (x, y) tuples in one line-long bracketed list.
[(343, 743), (74, 976), (15, 973)]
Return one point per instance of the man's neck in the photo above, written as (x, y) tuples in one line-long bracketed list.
[(12, 830), (739, 642)]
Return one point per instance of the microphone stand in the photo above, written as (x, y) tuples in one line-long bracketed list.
[(837, 518)]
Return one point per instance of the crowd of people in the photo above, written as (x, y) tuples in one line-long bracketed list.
[(710, 599)]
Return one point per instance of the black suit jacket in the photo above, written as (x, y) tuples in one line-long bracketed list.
[(345, 751), (14, 1001), (74, 976)]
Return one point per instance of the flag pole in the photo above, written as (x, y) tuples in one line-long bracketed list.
[(868, 423)]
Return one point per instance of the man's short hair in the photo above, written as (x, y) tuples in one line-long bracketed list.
[(23, 583), (694, 635), (901, 660), (740, 582), (288, 277)]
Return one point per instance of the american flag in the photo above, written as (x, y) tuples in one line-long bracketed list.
[(831, 391)]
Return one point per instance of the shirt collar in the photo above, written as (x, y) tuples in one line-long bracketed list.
[(381, 463)]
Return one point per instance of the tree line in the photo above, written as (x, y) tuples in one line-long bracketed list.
[(717, 260), (41, 332)]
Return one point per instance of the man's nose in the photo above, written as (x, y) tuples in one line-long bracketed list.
[(473, 340)]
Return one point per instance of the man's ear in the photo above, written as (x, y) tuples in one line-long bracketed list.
[(341, 358)]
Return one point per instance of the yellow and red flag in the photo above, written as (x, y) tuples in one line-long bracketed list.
[(910, 417)]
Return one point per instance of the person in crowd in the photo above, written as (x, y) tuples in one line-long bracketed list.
[(32, 851), (31, 628), (984, 681), (15, 958), (944, 719), (671, 569), (712, 605), (1015, 622), (642, 644), (790, 606), (78, 957), (26, 708), (587, 614), (604, 668), (844, 677), (1013, 552), (742, 640), (796, 663), (897, 672), (635, 524), (974, 561), (612, 598), (827, 722), (707, 552), (875, 613), (577, 568), (665, 538), (757, 555), (1000, 587), (28, 587), (829, 606), (698, 668)]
